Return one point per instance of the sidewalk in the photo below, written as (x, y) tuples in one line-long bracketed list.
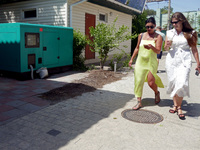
[(93, 120), (19, 98)]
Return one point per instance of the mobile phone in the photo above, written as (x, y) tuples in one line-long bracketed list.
[(197, 73)]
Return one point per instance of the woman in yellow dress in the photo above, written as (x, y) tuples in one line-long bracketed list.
[(148, 46)]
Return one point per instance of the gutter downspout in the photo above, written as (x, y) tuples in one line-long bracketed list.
[(70, 11), (32, 77)]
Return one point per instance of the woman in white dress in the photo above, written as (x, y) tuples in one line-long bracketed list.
[(180, 41)]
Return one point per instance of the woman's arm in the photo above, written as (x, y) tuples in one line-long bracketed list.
[(157, 47), (136, 50), (196, 56)]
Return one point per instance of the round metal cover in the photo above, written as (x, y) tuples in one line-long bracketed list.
[(142, 116)]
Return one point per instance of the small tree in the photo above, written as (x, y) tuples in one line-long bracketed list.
[(106, 38)]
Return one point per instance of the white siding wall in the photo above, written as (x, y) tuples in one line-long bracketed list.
[(78, 18), (50, 12)]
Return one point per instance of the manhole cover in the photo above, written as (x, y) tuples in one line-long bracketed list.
[(142, 116)]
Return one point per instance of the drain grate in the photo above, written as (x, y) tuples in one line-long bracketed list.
[(53, 132), (142, 116)]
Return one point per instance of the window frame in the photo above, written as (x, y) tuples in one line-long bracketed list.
[(106, 17), (29, 9), (37, 45)]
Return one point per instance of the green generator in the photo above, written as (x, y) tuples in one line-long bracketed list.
[(28, 47)]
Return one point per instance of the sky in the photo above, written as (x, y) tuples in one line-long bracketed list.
[(177, 5)]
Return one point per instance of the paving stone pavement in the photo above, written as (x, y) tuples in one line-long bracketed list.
[(19, 98), (93, 121)]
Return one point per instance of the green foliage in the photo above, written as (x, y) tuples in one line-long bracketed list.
[(79, 42), (190, 19), (150, 12), (198, 18), (138, 26), (138, 23), (106, 38), (122, 59), (165, 10), (165, 26), (163, 46), (91, 67)]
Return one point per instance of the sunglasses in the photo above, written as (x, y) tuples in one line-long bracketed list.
[(151, 27), (175, 22)]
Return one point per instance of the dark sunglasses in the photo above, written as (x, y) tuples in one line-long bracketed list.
[(175, 22), (151, 27)]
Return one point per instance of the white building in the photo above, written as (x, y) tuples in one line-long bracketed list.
[(79, 14)]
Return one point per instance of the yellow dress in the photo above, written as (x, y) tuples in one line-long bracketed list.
[(146, 61)]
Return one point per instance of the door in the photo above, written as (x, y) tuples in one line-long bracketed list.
[(50, 48), (89, 21)]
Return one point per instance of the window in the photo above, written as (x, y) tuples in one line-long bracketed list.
[(29, 13), (32, 40), (103, 17)]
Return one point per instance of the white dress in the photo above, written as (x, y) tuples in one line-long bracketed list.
[(178, 65)]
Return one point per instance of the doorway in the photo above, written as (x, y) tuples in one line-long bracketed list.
[(90, 20)]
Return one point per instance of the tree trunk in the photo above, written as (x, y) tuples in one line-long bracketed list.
[(101, 65)]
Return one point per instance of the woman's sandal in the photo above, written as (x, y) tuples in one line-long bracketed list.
[(157, 98), (137, 106), (181, 116), (174, 110)]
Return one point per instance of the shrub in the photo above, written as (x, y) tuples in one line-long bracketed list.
[(122, 60), (79, 42)]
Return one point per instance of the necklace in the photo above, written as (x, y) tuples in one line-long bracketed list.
[(150, 36)]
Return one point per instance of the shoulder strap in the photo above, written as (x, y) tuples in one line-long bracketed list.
[(141, 37)]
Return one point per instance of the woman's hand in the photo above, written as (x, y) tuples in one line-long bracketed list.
[(196, 56), (130, 63), (198, 68), (148, 46), (168, 44)]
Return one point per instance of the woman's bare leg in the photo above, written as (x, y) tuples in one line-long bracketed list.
[(151, 82), (153, 86)]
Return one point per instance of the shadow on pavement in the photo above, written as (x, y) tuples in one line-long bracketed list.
[(192, 109), (55, 126), (19, 98)]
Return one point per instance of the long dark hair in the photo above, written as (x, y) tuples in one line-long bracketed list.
[(188, 31)]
